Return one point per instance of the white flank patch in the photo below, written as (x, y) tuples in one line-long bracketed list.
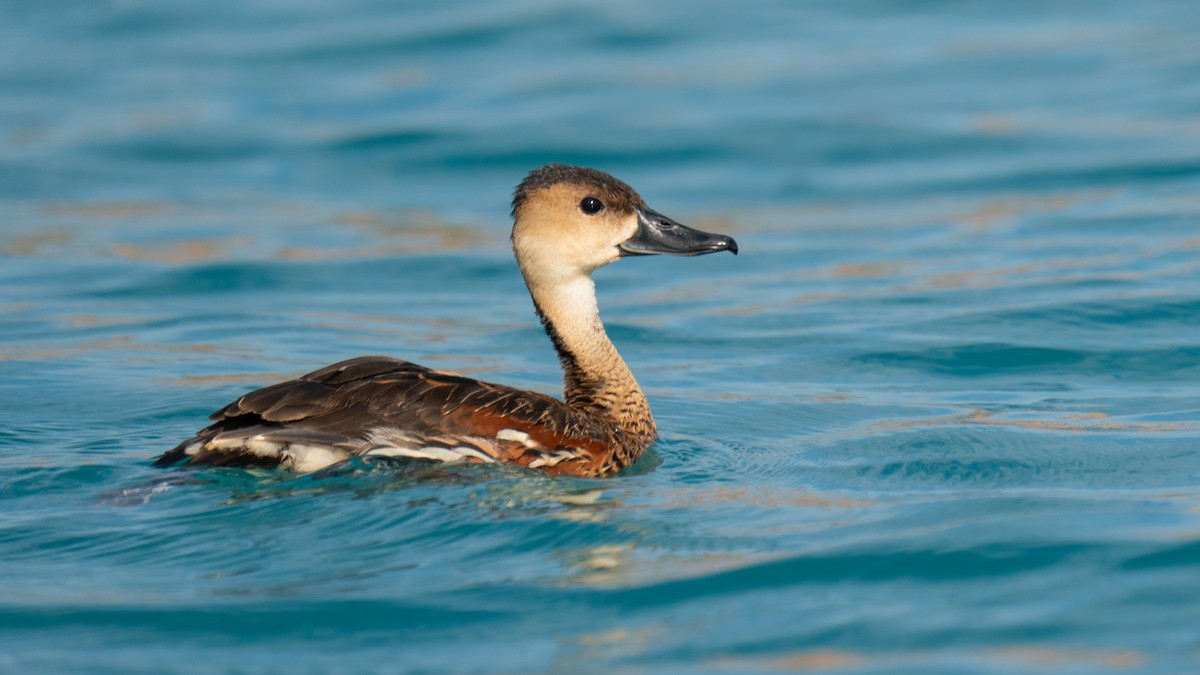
[(308, 458), (396, 443), (256, 445), (439, 454), (517, 436), (472, 452), (392, 438), (512, 435), (261, 446), (553, 459)]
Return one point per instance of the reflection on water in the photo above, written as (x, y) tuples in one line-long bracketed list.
[(940, 415)]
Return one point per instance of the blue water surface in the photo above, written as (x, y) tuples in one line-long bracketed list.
[(942, 415)]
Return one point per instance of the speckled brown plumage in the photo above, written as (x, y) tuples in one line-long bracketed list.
[(568, 221), (342, 404)]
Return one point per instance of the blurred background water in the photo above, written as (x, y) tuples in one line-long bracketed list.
[(941, 415)]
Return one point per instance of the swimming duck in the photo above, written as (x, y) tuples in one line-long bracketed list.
[(567, 222)]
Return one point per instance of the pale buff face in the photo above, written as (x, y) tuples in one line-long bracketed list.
[(554, 237)]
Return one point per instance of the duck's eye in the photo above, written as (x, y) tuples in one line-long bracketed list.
[(591, 206)]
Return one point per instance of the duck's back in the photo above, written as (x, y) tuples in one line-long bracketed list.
[(380, 406)]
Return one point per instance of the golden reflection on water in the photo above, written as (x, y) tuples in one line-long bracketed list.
[(1041, 655), (111, 209), (1040, 658), (634, 563), (246, 378), (759, 497), (807, 660), (1088, 422), (150, 353), (175, 252), (31, 245), (165, 232)]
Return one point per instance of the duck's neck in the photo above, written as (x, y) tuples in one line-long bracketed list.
[(596, 377)]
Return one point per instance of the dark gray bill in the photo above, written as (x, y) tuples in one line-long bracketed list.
[(657, 233)]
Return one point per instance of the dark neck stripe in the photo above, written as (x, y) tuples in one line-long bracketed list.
[(569, 361)]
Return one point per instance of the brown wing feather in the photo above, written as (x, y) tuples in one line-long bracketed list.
[(341, 405), (548, 432)]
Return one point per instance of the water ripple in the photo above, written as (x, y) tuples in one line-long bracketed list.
[(940, 414)]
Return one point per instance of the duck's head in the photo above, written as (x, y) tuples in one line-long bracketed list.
[(570, 220)]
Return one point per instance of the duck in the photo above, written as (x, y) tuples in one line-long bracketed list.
[(568, 221)]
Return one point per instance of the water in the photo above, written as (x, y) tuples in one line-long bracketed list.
[(941, 415)]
